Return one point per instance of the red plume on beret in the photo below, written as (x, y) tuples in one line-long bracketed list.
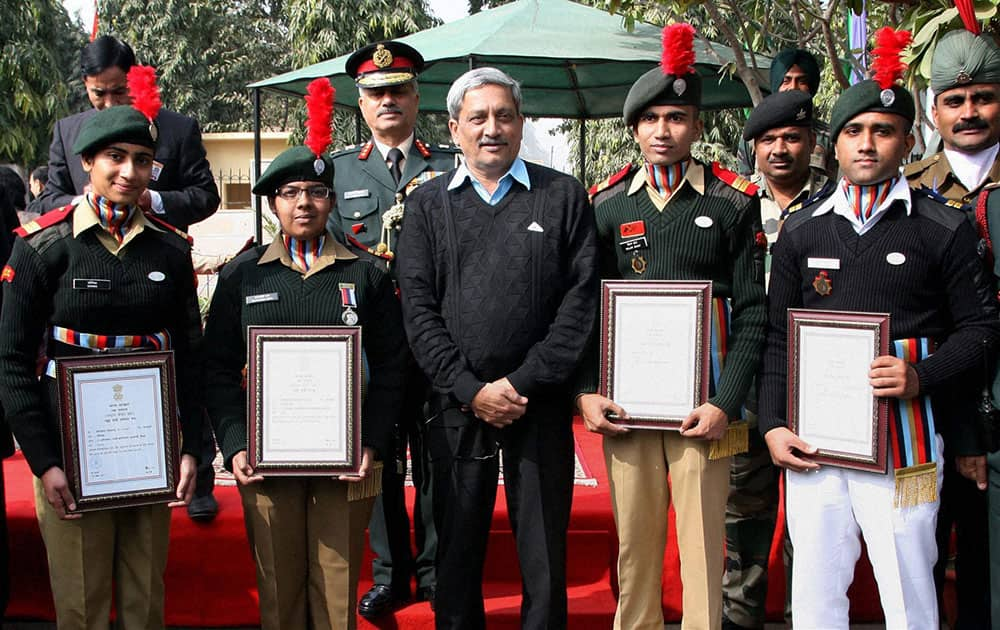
[(144, 91), (887, 64), (678, 49), (320, 97)]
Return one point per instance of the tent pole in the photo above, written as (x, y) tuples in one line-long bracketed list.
[(583, 151), (258, 228)]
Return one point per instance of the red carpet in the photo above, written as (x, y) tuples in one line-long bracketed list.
[(210, 576)]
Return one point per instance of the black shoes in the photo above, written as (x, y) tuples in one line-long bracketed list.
[(379, 600), (203, 508)]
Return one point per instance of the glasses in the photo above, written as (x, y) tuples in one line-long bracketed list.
[(293, 192)]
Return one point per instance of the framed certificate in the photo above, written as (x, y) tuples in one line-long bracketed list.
[(831, 404), (655, 339), (118, 413), (304, 400)]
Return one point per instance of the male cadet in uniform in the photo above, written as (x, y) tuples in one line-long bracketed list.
[(965, 78), (676, 218), (781, 128), (796, 69), (371, 182), (182, 190), (872, 245)]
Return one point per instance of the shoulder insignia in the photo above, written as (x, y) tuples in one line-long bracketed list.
[(611, 181), (738, 182), (46, 220), (934, 195), (366, 150), (424, 151), (160, 223), (913, 168)]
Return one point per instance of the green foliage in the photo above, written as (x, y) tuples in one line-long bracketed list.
[(928, 21), (38, 76)]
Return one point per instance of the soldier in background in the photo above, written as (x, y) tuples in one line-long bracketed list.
[(371, 181)]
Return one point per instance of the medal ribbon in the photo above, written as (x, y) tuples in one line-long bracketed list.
[(665, 179), (865, 200), (304, 253), (113, 217), (912, 434)]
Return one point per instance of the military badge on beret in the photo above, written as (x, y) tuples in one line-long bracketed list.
[(888, 97), (382, 58), (679, 86)]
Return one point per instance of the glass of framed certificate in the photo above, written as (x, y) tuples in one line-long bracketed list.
[(655, 340), (304, 397), (118, 413), (831, 404)]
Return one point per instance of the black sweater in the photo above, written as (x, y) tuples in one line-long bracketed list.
[(311, 301), (940, 291), (499, 291), (42, 294)]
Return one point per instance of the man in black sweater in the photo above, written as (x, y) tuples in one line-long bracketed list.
[(497, 269), (874, 246)]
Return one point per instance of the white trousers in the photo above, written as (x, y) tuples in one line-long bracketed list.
[(826, 511)]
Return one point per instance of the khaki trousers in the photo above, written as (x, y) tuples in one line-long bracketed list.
[(123, 546), (308, 543), (637, 465)]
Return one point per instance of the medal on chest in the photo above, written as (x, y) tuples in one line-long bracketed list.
[(822, 284), (349, 301), (633, 235)]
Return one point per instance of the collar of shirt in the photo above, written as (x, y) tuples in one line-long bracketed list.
[(85, 218), (332, 251), (403, 146), (972, 169), (518, 172), (694, 177), (813, 184), (837, 202)]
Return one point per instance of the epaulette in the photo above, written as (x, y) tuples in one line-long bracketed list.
[(48, 219), (930, 193), (160, 223), (366, 150), (822, 193), (611, 181), (734, 180), (916, 167)]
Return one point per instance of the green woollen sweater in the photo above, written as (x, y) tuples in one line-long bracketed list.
[(271, 294), (682, 244)]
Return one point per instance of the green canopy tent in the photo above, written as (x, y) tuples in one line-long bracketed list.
[(573, 61)]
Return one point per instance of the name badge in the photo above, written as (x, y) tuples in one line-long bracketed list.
[(633, 244), (157, 169), (824, 263), (91, 284), (356, 194), (263, 297)]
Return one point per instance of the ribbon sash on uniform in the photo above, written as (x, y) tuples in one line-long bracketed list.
[(736, 439), (912, 434)]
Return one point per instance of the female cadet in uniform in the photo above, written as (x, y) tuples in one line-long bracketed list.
[(307, 536), (94, 276)]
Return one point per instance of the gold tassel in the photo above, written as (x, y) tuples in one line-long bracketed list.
[(735, 441), (369, 487), (916, 485)]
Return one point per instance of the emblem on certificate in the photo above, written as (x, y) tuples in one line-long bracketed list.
[(822, 284), (654, 348), (119, 428), (304, 400)]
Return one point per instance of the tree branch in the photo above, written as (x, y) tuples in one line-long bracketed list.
[(748, 76), (831, 48)]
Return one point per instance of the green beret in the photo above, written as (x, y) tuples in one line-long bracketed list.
[(298, 164), (122, 123), (868, 96), (961, 58), (656, 88), (384, 63), (791, 108), (784, 61)]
